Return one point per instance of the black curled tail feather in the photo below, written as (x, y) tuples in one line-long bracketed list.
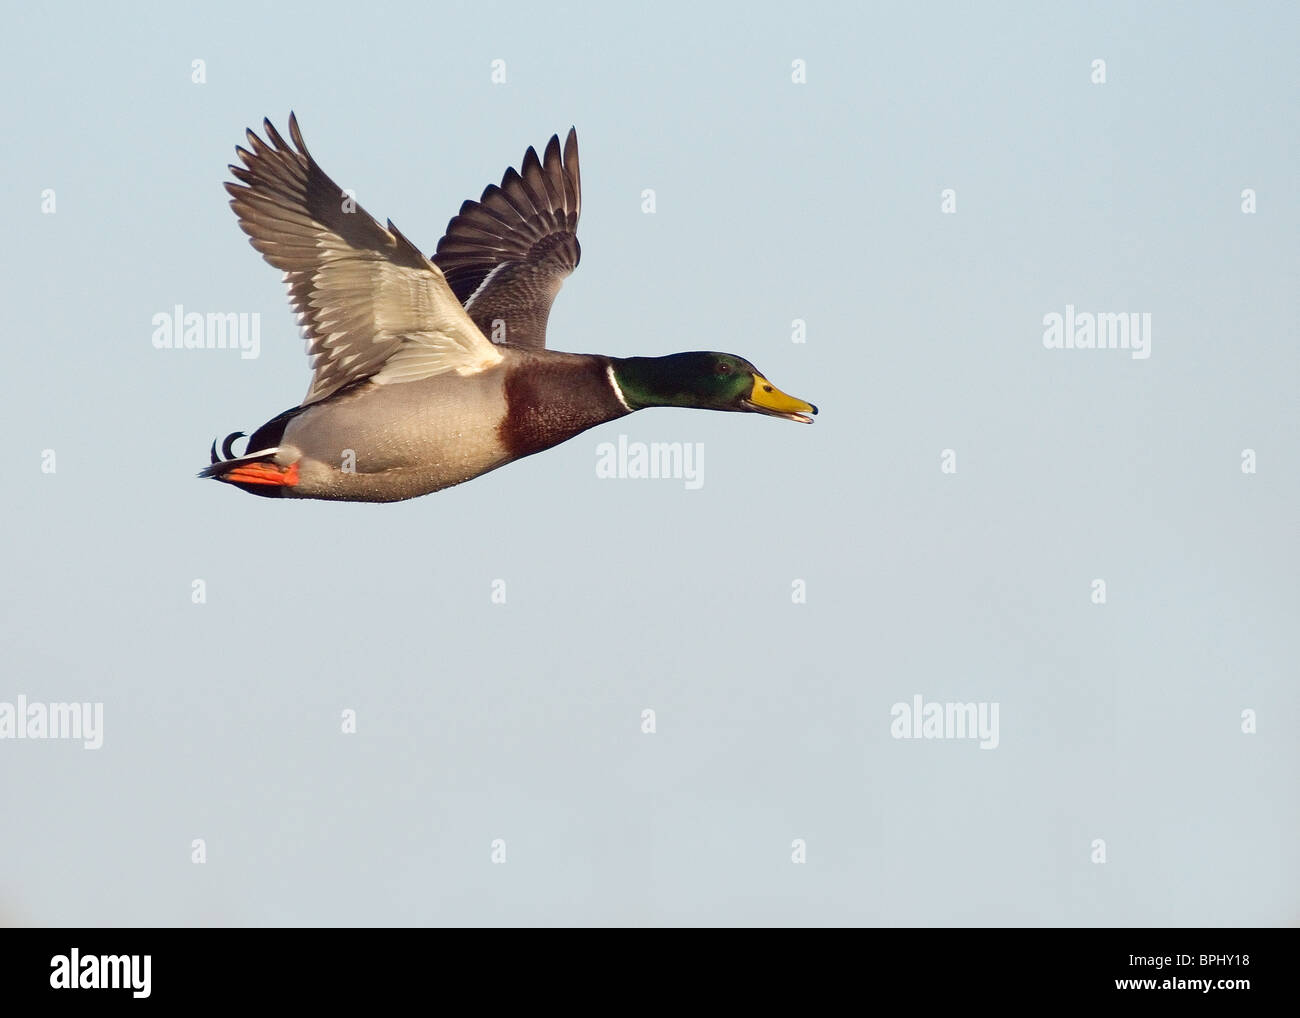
[(227, 447), (265, 438), (227, 450)]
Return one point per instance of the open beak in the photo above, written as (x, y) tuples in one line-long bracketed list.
[(766, 398)]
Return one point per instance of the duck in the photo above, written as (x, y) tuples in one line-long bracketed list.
[(431, 371)]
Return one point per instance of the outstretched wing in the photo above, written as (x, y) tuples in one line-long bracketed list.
[(506, 255), (371, 305)]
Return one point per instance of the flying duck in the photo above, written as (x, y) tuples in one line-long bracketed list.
[(427, 372)]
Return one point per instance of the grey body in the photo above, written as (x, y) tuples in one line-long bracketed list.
[(384, 443)]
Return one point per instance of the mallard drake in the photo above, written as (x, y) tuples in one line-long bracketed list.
[(408, 392)]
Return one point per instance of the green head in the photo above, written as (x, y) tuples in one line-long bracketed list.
[(706, 381)]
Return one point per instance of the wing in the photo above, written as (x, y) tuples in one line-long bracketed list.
[(371, 305), (506, 255)]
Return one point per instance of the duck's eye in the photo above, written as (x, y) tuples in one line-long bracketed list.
[(724, 369)]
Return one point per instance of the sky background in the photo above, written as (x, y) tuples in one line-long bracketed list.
[(775, 201)]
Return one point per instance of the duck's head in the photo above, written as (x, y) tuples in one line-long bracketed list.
[(705, 381)]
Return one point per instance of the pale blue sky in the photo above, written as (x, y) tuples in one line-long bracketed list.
[(775, 201)]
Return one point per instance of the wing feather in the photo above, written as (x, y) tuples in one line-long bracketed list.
[(506, 255), (370, 303)]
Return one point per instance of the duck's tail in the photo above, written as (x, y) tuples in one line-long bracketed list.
[(255, 472)]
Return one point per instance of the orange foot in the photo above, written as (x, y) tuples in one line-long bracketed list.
[(263, 473)]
